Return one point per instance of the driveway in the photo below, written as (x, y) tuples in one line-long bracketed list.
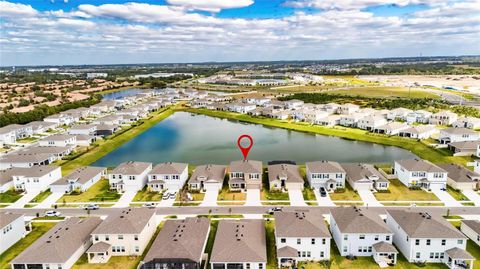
[(166, 203), (323, 201), (50, 200), (253, 197), (368, 198), (446, 198), (20, 203), (125, 200), (472, 196), (296, 198), (210, 198)]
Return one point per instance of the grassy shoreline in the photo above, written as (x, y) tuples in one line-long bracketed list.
[(418, 148)]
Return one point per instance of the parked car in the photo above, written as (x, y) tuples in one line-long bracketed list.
[(149, 205), (91, 207), (274, 209), (52, 213), (323, 192)]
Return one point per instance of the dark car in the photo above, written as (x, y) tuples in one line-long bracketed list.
[(323, 192)]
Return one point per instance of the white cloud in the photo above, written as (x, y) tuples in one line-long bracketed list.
[(8, 9), (355, 4), (211, 5)]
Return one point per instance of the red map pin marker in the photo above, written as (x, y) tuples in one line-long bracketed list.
[(245, 150)]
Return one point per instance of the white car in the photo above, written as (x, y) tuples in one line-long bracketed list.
[(149, 205), (52, 213)]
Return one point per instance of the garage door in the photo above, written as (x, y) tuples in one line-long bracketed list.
[(436, 186), (363, 186)]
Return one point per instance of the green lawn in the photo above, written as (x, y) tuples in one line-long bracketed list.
[(474, 250), (38, 229), (422, 150), (10, 196), (458, 195), (27, 140), (211, 239), (147, 196), (274, 195), (399, 192), (226, 195), (106, 146), (99, 192), (41, 196), (386, 92), (271, 247), (308, 194), (345, 194)]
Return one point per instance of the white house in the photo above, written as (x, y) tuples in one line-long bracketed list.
[(358, 232), (82, 129), (13, 228), (443, 118), (369, 123), (125, 233), (81, 179), (39, 127), (450, 135), (240, 107), (301, 236), (25, 160), (471, 228), (329, 121), (351, 120), (58, 140), (425, 238), (206, 177), (327, 174), (418, 116), (245, 174), (36, 178), (331, 108), (239, 244), (467, 122), (7, 135), (60, 247), (362, 176), (168, 176), (391, 128), (59, 119), (348, 109), (129, 176), (419, 131), (398, 113), (417, 172), (294, 104)]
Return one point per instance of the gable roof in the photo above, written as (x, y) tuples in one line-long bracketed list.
[(300, 223), (211, 172), (8, 217), (459, 173), (473, 224), (128, 221), (359, 171), (420, 165), (356, 220), (168, 168), (324, 167), (131, 168), (80, 175), (289, 171), (246, 166)]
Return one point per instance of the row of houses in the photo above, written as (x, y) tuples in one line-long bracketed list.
[(299, 236)]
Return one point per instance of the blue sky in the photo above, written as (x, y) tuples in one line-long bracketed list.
[(118, 31)]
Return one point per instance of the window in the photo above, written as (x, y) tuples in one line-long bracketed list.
[(137, 249), (324, 241), (417, 255), (47, 266), (96, 237), (299, 241), (120, 237), (362, 236), (429, 242), (309, 254), (135, 237), (345, 237), (59, 266), (107, 238), (283, 240), (260, 266), (387, 238), (313, 241), (444, 242), (345, 249), (376, 237), (322, 254), (460, 241), (431, 255), (248, 266)]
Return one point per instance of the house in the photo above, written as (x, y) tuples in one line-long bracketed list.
[(464, 148), (240, 107), (443, 118), (58, 140), (85, 140), (419, 131), (168, 176), (35, 178), (206, 177), (281, 114), (348, 109), (398, 114), (81, 179), (106, 130), (425, 238), (294, 104), (13, 227), (7, 135), (327, 174), (467, 122), (54, 152), (285, 176), (40, 127), (363, 176), (180, 244), (82, 129), (125, 233), (461, 178), (258, 101), (369, 123), (351, 120), (313, 115), (239, 244), (60, 247), (450, 135), (418, 116), (471, 228), (301, 236), (391, 128), (359, 232), (331, 108), (59, 119), (25, 160), (329, 121), (245, 174), (109, 120), (129, 176), (422, 173)]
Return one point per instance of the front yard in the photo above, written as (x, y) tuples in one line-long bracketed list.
[(41, 196), (147, 196), (99, 192), (38, 229), (227, 195), (10, 196), (399, 192), (346, 194), (458, 195)]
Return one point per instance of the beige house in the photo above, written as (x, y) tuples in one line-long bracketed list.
[(285, 177), (461, 178), (245, 174)]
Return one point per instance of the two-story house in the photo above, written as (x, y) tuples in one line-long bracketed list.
[(129, 176), (12, 228), (245, 174), (371, 122), (327, 174), (301, 236), (168, 176), (35, 178), (58, 140), (451, 135), (443, 118), (422, 173)]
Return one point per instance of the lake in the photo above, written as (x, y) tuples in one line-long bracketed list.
[(199, 139), (123, 93)]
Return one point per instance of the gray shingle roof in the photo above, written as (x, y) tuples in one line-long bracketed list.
[(359, 171), (128, 221), (458, 131), (289, 171), (168, 168), (131, 168), (356, 220), (300, 223), (180, 239), (325, 167), (80, 175), (211, 172), (7, 218), (459, 173), (422, 225), (384, 247), (247, 166), (59, 243), (34, 171), (458, 253), (99, 247), (240, 241), (420, 165), (287, 252), (473, 224)]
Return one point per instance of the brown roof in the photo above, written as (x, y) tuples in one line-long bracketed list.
[(420, 165), (325, 167), (211, 172), (384, 247), (422, 225), (34, 171), (128, 221), (287, 252), (247, 166), (7, 218), (240, 241), (99, 247), (458, 253), (459, 173), (300, 223), (359, 171), (59, 243), (289, 171), (356, 220), (168, 168), (465, 145), (80, 175), (131, 168), (180, 239), (458, 131)]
